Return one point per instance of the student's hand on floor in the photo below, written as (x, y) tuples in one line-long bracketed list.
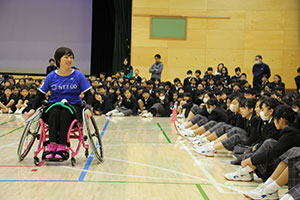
[(88, 113)]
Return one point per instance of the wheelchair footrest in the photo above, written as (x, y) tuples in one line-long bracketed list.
[(64, 154)]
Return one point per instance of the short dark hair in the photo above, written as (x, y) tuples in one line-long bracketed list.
[(51, 59), (285, 112), (145, 90), (259, 56), (187, 94), (298, 70), (157, 56), (189, 72), (249, 103), (209, 69), (270, 103), (198, 71), (244, 74), (60, 52), (212, 102), (237, 69)]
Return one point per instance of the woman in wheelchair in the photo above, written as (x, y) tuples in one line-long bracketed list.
[(65, 84)]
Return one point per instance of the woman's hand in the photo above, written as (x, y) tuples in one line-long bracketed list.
[(88, 113)]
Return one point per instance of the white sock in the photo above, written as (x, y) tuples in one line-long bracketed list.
[(270, 180), (287, 197), (272, 187), (246, 170)]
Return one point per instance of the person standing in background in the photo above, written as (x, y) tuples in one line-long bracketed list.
[(156, 68), (127, 68), (297, 80), (259, 70), (51, 67)]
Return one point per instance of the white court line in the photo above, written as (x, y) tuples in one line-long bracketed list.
[(217, 185), (8, 145), (128, 175), (155, 167)]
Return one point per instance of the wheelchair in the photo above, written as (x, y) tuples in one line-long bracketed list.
[(37, 129)]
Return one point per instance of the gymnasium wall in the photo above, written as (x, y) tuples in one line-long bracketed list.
[(266, 27)]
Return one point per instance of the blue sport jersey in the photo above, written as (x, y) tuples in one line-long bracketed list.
[(65, 87)]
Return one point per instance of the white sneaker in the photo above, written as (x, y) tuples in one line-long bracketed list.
[(186, 133), (254, 191), (148, 114), (180, 115), (263, 194), (239, 176), (201, 141), (177, 125), (119, 114), (207, 151), (17, 111), (197, 137)]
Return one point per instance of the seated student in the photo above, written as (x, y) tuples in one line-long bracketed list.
[(162, 107), (23, 100), (271, 150), (187, 80), (174, 103), (235, 119), (237, 75), (297, 80), (101, 104), (136, 76), (224, 77), (198, 98), (197, 110), (156, 83), (150, 87), (16, 92), (192, 87), (215, 114), (185, 105), (7, 101), (235, 136), (112, 95), (102, 76), (145, 103), (267, 130), (127, 105), (208, 75), (277, 83), (197, 76), (211, 85)]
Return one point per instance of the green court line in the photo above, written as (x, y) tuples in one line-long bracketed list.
[(164, 133), (204, 195), (3, 123), (11, 131)]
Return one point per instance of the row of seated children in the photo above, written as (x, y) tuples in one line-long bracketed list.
[(261, 132)]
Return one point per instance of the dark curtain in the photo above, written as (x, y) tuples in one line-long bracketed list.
[(111, 35), (122, 33)]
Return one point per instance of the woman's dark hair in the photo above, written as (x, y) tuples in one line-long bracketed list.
[(285, 112), (270, 103), (249, 103), (60, 52), (225, 70), (278, 76)]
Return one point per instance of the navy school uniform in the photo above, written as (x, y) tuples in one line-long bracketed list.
[(130, 104), (5, 100), (148, 103), (189, 104), (104, 106)]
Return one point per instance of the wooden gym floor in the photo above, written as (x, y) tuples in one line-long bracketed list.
[(144, 159)]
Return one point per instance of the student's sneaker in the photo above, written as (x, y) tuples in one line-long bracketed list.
[(180, 115), (120, 114), (239, 176), (263, 194), (201, 141), (254, 191), (197, 137), (17, 111), (207, 150), (148, 114), (10, 111), (186, 133), (178, 126), (112, 112)]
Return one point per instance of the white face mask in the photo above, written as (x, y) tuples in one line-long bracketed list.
[(189, 76), (295, 110), (231, 107), (162, 98), (209, 110), (205, 100), (257, 61), (263, 116)]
